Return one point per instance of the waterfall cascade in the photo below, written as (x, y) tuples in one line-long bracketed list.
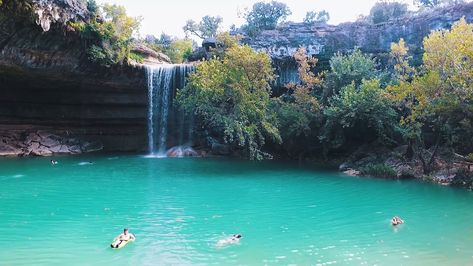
[(163, 81)]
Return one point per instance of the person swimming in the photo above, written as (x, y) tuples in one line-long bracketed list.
[(396, 221), (234, 239), (122, 239), (53, 162)]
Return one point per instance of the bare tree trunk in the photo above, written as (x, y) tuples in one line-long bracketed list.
[(410, 150), (427, 166)]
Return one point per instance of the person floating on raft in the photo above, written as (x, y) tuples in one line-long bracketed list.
[(396, 221), (123, 239)]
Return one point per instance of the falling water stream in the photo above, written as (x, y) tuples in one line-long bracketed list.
[(163, 81)]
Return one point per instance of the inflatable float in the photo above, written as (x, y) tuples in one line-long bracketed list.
[(118, 244)]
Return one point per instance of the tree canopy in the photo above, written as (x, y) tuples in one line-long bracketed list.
[(347, 69), (207, 28), (316, 17), (440, 99), (230, 97), (384, 11), (109, 34), (265, 16)]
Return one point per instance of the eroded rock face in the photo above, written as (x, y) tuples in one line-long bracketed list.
[(324, 41), (150, 56), (46, 80), (59, 11)]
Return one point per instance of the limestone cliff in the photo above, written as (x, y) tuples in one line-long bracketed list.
[(325, 40), (47, 82)]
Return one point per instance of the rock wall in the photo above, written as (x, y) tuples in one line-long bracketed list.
[(47, 82), (323, 41)]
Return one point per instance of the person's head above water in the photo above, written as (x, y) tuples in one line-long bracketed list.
[(237, 236), (125, 231)]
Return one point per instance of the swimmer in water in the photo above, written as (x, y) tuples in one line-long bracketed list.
[(396, 221), (53, 162), (234, 239)]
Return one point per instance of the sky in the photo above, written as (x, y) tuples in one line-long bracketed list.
[(169, 16)]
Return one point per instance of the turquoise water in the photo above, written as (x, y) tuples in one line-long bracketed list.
[(178, 209)]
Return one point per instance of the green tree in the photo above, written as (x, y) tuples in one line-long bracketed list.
[(179, 50), (317, 17), (359, 114), (383, 11), (299, 111), (346, 69), (400, 59), (206, 28), (92, 7), (439, 102), (230, 98), (265, 16)]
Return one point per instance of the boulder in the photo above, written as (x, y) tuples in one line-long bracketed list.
[(352, 172), (209, 43), (41, 151), (403, 169), (150, 55), (9, 150), (344, 167)]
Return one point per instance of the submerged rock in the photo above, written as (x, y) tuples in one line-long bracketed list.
[(181, 151)]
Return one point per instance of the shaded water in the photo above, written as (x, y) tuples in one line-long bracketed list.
[(67, 214)]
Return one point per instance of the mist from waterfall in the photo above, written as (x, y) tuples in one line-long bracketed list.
[(163, 81)]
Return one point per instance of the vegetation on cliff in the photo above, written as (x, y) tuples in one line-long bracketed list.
[(356, 102), (108, 34)]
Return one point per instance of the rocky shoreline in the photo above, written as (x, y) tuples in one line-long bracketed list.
[(16, 143), (448, 169)]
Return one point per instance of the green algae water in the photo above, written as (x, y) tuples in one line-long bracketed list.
[(67, 214)]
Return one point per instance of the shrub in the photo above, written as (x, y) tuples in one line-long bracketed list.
[(469, 157), (137, 57), (179, 50), (359, 115), (378, 170)]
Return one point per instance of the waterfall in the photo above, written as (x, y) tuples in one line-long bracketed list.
[(163, 81)]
